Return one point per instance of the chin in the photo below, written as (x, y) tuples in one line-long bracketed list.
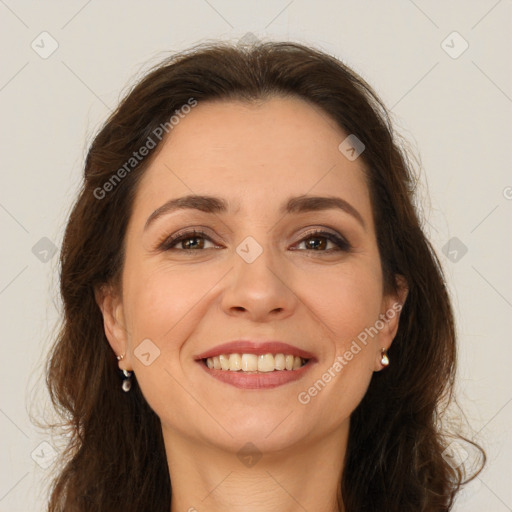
[(267, 432)]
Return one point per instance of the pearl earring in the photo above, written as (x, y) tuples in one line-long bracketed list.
[(127, 381), (384, 359)]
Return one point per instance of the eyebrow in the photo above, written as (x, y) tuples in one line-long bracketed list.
[(217, 205)]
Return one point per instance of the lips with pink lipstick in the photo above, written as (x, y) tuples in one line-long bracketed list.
[(256, 365)]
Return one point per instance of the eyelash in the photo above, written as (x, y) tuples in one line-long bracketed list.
[(168, 243)]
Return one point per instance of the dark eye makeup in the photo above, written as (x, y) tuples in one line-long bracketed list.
[(198, 236)]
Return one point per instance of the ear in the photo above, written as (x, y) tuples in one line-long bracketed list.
[(392, 305), (111, 306)]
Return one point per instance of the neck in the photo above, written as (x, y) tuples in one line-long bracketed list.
[(300, 477)]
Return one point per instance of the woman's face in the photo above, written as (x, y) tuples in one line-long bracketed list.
[(258, 273)]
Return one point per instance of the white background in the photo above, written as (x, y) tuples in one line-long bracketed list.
[(455, 111)]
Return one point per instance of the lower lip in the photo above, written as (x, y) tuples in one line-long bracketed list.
[(264, 380)]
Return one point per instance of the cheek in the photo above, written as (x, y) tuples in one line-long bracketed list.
[(348, 302), (160, 300), (346, 298), (164, 305)]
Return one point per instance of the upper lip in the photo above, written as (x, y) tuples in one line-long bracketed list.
[(254, 347)]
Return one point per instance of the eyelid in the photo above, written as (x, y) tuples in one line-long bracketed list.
[(317, 230)]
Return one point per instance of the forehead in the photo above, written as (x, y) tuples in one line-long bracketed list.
[(254, 154)]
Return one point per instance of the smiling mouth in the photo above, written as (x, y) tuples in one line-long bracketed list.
[(254, 364)]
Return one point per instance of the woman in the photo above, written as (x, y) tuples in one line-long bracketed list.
[(241, 267)]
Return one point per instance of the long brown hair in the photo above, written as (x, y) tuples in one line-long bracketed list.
[(115, 459)]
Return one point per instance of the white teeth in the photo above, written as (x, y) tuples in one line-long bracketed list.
[(266, 363), (235, 362), (280, 362), (249, 363), (253, 363), (224, 362)]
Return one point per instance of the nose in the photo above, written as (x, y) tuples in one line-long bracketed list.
[(259, 290)]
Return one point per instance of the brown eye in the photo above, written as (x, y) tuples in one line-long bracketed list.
[(190, 240), (317, 241)]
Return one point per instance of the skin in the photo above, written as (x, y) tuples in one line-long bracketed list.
[(256, 156)]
